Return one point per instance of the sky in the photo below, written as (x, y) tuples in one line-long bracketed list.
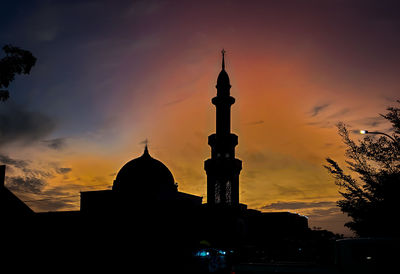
[(111, 74)]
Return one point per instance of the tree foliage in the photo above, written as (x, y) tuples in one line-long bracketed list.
[(16, 61), (371, 187)]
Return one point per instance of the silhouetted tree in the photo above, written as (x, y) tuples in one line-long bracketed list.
[(16, 61), (371, 189)]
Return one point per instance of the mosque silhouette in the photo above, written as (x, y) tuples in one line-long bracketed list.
[(144, 211)]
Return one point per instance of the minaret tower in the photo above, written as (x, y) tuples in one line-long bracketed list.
[(223, 168)]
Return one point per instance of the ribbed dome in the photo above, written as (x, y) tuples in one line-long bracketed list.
[(144, 174)]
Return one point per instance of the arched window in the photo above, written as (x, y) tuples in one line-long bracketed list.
[(228, 192), (217, 192)]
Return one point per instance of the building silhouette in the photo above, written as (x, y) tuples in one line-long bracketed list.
[(143, 182), (145, 211), (223, 168), (10, 205)]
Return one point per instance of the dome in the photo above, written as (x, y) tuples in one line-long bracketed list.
[(223, 79), (144, 174)]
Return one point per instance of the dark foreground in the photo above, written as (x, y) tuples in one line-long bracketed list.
[(346, 256), (116, 246)]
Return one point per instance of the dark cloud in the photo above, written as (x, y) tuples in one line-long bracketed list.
[(34, 172), (317, 109), (29, 179), (371, 122), (23, 126), (47, 204), (57, 143), (298, 205), (64, 197), (63, 170), (6, 160), (324, 212), (25, 184), (24, 166)]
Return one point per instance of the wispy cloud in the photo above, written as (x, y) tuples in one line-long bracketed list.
[(318, 109), (174, 102), (56, 144), (339, 114), (252, 123), (26, 184), (63, 170), (7, 160), (371, 122), (298, 205), (21, 126)]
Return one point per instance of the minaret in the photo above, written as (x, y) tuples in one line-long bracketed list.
[(223, 168)]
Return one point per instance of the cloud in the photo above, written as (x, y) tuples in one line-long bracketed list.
[(63, 170), (23, 166), (298, 205), (6, 160), (56, 144), (326, 120), (321, 124), (25, 184), (23, 126), (324, 212), (53, 204), (27, 177), (174, 102), (339, 113), (317, 109), (371, 122), (259, 122), (55, 198)]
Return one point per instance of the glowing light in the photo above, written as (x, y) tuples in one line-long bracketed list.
[(222, 252), (202, 253), (363, 131)]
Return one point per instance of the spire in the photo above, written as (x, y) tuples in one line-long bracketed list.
[(146, 150), (223, 78), (223, 58)]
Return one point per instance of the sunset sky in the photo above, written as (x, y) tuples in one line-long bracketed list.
[(111, 74)]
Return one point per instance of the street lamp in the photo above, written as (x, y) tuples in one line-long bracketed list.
[(379, 133)]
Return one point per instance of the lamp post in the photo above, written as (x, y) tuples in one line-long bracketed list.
[(378, 133)]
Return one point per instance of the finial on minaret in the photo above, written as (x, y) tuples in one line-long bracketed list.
[(223, 58)]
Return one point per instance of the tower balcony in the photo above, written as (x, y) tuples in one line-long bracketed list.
[(223, 167), (216, 141), (223, 100)]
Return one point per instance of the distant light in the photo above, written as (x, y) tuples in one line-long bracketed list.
[(202, 253), (363, 131), (369, 258), (222, 252)]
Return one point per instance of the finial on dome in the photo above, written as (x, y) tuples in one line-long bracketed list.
[(223, 58), (146, 149)]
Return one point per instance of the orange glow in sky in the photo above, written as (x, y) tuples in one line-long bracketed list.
[(148, 70)]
